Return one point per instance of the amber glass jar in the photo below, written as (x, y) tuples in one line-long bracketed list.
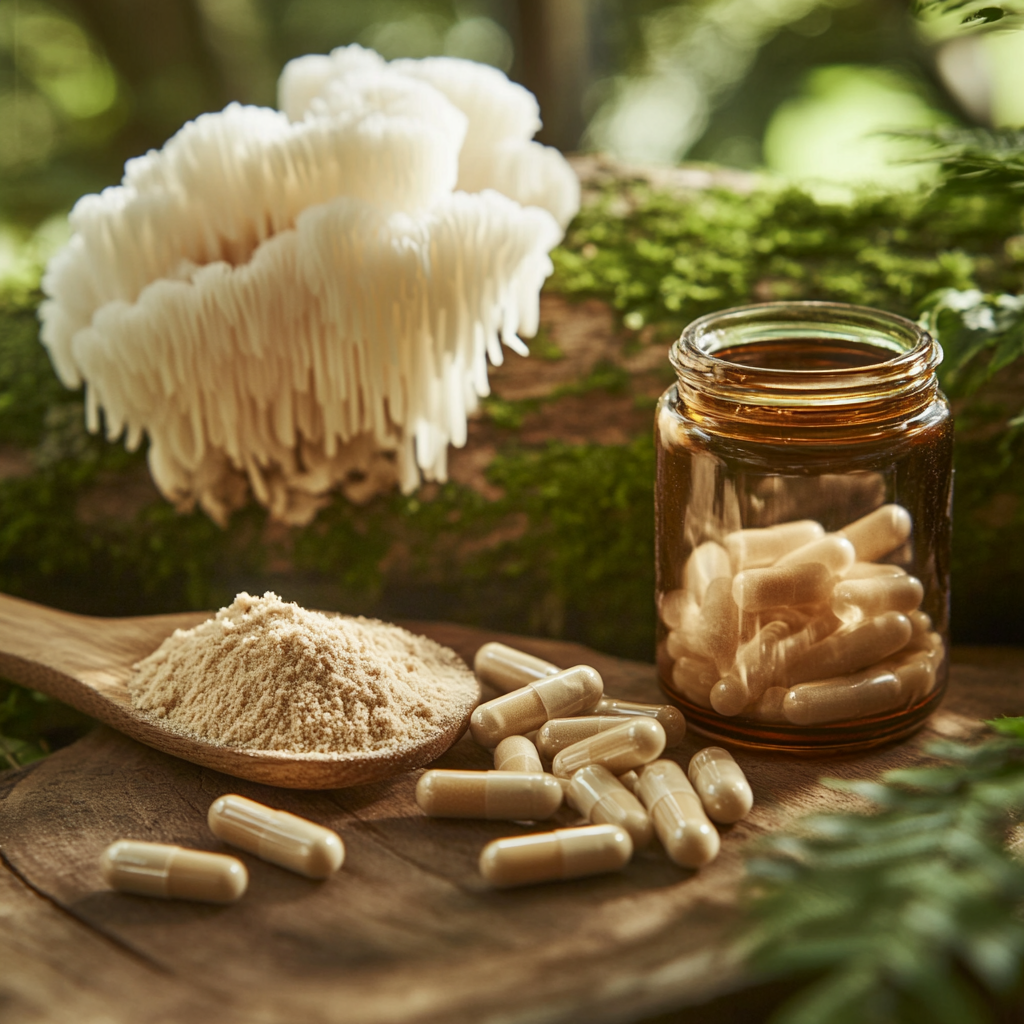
[(803, 496)]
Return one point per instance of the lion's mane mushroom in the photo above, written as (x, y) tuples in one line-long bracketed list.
[(292, 301)]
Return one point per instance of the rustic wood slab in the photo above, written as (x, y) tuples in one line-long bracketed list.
[(407, 931)]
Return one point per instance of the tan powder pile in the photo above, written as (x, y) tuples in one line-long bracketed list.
[(264, 674)]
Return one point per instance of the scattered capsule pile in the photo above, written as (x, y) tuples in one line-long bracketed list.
[(605, 763), (794, 625), (557, 740), (173, 872)]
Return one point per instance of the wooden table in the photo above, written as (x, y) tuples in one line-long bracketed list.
[(407, 931)]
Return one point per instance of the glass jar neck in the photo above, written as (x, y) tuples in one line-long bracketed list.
[(817, 370)]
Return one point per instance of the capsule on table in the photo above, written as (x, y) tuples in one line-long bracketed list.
[(508, 796), (878, 533), (277, 836), (721, 785), (756, 548), (720, 622), (833, 551), (507, 669), (601, 797), (706, 563), (570, 692), (630, 744), (841, 699), (851, 649), (672, 720), (560, 733), (555, 856), (853, 600), (678, 817), (517, 754), (172, 872), (756, 590)]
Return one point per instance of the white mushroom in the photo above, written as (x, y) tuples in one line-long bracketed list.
[(298, 305), (498, 152)]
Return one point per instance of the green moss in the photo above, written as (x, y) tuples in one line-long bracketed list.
[(670, 259)]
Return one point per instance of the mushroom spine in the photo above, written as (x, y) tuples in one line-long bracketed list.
[(297, 300)]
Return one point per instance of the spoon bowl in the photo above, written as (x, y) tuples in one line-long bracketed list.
[(86, 662)]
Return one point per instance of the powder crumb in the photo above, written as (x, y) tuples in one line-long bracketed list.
[(264, 674)]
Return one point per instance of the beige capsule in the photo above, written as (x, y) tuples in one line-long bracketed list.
[(868, 570), (284, 839), (853, 600), (681, 613), (601, 797), (689, 838), (756, 590), (878, 533), (507, 669), (832, 551), (570, 692), (720, 623), (507, 796), (921, 626), (555, 856), (629, 780), (707, 562), (630, 744), (843, 698), (560, 733), (756, 548), (916, 672), (757, 667), (765, 661), (721, 785), (172, 872), (768, 707), (672, 720), (851, 649), (680, 644), (517, 754), (693, 679)]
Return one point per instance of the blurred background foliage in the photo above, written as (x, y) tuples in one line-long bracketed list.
[(795, 86)]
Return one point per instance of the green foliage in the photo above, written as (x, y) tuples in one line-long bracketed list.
[(32, 725), (969, 13), (663, 260), (907, 914), (974, 161)]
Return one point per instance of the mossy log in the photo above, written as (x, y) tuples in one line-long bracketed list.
[(545, 524)]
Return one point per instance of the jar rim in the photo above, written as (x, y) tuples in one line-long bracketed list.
[(915, 354)]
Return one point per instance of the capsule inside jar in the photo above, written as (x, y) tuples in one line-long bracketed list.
[(774, 446)]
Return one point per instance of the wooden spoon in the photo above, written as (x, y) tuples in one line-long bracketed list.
[(86, 662)]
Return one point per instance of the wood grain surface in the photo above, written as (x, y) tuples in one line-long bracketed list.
[(407, 931), (87, 661)]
